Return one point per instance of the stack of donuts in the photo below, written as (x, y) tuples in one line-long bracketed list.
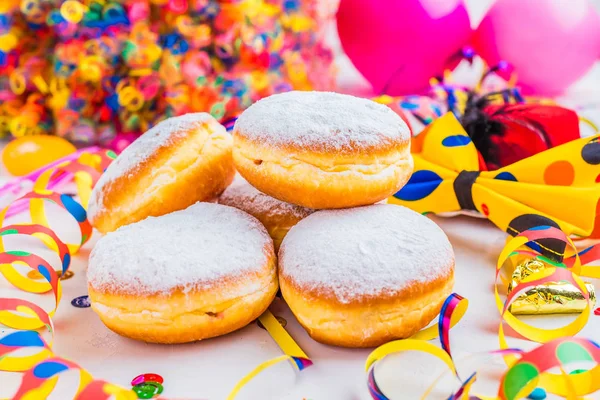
[(193, 249)]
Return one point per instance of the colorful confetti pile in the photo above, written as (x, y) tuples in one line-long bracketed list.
[(90, 69)]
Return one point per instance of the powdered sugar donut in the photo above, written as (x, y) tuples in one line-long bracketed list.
[(364, 276), (178, 162), (277, 216), (189, 275), (322, 150)]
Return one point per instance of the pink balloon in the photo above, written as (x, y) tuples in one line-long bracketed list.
[(399, 45), (550, 43)]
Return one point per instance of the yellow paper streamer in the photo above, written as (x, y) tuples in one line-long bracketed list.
[(292, 351)]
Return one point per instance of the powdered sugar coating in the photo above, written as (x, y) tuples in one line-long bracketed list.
[(190, 249), (161, 135), (321, 121), (364, 251), (242, 195)]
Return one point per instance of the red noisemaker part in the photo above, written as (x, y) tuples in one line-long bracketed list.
[(507, 133)]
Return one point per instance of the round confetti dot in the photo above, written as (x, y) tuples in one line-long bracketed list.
[(281, 320), (559, 173), (597, 311), (485, 210), (81, 302), (148, 390), (143, 378), (537, 394)]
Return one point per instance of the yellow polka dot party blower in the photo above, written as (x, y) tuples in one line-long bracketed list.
[(558, 187)]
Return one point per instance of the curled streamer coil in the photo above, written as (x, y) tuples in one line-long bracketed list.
[(42, 368), (526, 369)]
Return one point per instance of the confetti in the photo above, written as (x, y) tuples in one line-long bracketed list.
[(120, 67), (148, 390), (81, 302), (147, 378)]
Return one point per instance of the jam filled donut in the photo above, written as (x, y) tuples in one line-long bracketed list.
[(364, 276), (189, 275), (322, 150), (277, 216), (178, 162)]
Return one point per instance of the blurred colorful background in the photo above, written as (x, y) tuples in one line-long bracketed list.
[(102, 72)]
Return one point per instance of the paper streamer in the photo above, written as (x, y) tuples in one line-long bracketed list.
[(531, 369), (19, 186), (526, 370), (451, 313), (42, 369), (292, 351), (534, 367), (229, 124)]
